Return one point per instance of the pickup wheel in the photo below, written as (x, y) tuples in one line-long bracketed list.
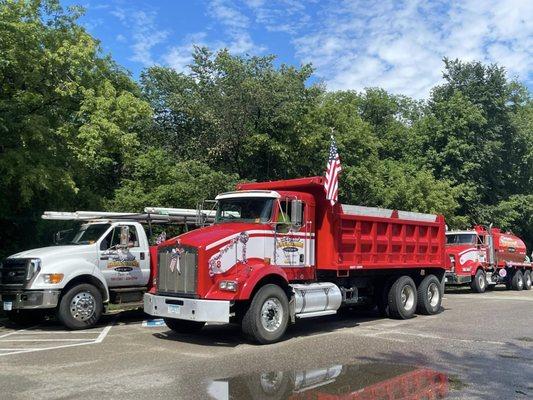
[(429, 295), (527, 280), (479, 283), (80, 307), (267, 318), (402, 298), (517, 282), (183, 326)]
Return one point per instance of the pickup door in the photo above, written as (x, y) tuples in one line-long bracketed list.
[(125, 267)]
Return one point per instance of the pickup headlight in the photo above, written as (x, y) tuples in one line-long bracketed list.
[(34, 266)]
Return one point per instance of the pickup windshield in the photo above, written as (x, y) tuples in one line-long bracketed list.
[(89, 233), (461, 238), (244, 209)]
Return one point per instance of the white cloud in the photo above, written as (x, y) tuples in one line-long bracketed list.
[(399, 45), (144, 33)]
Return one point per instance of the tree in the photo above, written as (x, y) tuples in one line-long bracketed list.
[(69, 117)]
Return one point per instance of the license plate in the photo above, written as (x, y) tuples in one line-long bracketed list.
[(8, 305), (174, 309)]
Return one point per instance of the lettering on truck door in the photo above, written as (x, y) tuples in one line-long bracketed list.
[(292, 243), (124, 266)]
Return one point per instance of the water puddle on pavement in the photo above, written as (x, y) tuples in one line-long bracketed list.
[(354, 382)]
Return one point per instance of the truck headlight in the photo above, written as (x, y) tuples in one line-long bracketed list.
[(228, 285), (53, 278), (34, 266)]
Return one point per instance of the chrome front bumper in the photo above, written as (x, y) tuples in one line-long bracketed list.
[(188, 309), (29, 299), (451, 278)]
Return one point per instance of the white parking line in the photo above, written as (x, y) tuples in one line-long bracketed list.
[(83, 342)]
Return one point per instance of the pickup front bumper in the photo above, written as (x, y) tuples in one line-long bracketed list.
[(188, 309), (29, 299), (451, 278)]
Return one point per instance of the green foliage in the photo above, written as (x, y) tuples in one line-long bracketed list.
[(69, 117), (156, 179), (513, 214), (76, 132)]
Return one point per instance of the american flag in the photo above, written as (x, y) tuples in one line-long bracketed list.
[(331, 185)]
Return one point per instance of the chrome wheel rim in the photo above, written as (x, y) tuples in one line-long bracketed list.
[(271, 382), (433, 294), (528, 280), (520, 281), (82, 306), (408, 297), (271, 314)]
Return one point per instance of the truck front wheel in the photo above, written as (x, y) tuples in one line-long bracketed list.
[(527, 280), (402, 298), (267, 318), (479, 284), (517, 282), (183, 326), (429, 295), (80, 307)]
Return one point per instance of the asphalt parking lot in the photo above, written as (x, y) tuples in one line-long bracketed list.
[(481, 347)]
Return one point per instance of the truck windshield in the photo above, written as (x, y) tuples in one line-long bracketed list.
[(89, 233), (244, 209), (461, 238)]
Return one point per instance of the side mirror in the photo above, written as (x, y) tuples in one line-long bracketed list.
[(124, 236), (296, 212)]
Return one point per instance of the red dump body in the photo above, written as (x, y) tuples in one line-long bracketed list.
[(366, 238)]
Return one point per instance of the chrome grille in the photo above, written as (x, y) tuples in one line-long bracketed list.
[(180, 276)]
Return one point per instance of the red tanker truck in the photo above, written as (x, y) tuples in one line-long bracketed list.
[(279, 251), (484, 257)]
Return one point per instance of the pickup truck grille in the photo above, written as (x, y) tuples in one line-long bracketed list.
[(177, 271), (13, 271)]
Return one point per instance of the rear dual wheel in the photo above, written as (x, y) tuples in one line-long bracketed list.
[(429, 295), (527, 280), (517, 281)]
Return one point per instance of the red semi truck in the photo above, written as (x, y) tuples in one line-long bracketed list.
[(279, 251), (484, 257)]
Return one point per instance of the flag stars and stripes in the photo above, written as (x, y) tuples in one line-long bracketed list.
[(331, 184)]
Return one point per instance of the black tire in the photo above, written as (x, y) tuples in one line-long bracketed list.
[(401, 307), (80, 307), (25, 317), (517, 282), (429, 296), (274, 300), (184, 326), (527, 280), (479, 283), (269, 386)]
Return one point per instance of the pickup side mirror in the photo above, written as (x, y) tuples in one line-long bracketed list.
[(296, 212), (124, 236)]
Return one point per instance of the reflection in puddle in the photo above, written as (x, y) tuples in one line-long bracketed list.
[(354, 382)]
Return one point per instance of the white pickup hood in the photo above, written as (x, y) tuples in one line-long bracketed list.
[(53, 251)]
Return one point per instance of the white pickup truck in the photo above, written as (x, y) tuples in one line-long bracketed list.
[(108, 260)]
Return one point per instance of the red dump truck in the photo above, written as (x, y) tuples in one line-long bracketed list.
[(484, 257), (279, 251)]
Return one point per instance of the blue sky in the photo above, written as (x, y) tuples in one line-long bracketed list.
[(397, 45)]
